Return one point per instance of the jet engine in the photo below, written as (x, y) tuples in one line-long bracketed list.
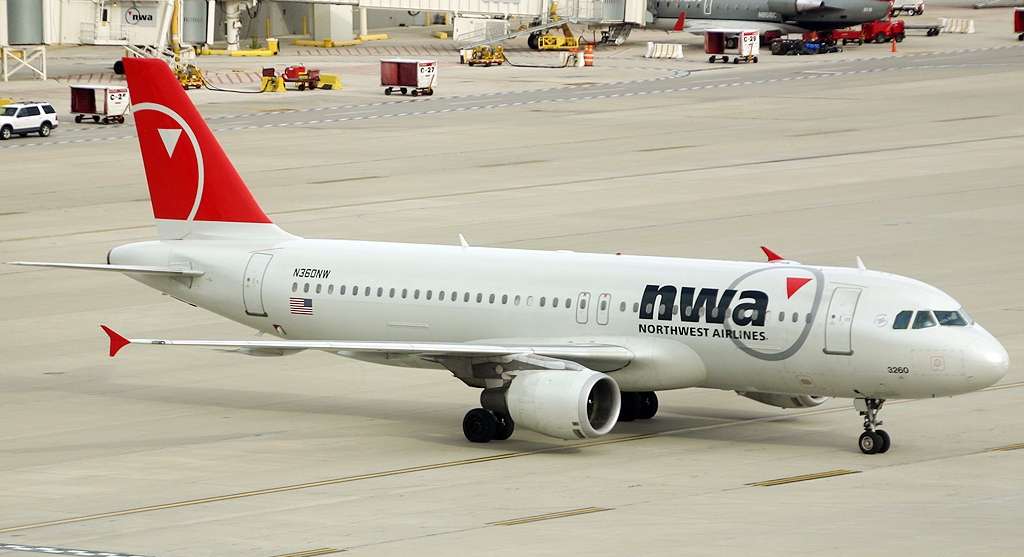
[(785, 401), (564, 404), (794, 7)]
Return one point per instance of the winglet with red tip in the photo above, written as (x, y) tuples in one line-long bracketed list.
[(772, 256), (117, 341)]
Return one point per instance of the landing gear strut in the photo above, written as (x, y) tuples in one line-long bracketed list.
[(491, 422), (638, 406), (873, 440)]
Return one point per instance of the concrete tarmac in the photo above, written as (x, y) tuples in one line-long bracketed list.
[(909, 160)]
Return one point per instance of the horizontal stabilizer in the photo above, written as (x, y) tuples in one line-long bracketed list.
[(129, 269)]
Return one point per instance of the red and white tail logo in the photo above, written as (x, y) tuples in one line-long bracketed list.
[(191, 180)]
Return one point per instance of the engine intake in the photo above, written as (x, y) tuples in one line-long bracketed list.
[(564, 404), (785, 401)]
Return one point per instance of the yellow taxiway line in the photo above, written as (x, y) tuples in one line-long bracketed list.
[(804, 478), (549, 516)]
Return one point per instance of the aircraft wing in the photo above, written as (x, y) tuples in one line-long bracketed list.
[(131, 269), (606, 353)]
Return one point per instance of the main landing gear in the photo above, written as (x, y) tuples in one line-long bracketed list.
[(638, 406), (872, 440), (482, 425)]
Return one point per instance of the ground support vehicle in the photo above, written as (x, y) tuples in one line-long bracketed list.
[(299, 75), (800, 47), (415, 76), (832, 38), (916, 8), (23, 118), (106, 103), (883, 31), (742, 44), (1018, 23), (486, 55)]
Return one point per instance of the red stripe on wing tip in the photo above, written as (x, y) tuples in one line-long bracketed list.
[(772, 256), (117, 342)]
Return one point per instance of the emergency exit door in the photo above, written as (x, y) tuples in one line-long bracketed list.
[(252, 287), (582, 308), (839, 321)]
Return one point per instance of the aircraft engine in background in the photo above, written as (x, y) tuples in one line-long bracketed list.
[(785, 401), (793, 7), (563, 404)]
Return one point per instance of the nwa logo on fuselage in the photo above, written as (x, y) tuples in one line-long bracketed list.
[(704, 305)]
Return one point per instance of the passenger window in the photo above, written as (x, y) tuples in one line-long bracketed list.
[(405, 293), (504, 299), (380, 291), (782, 316), (341, 291), (622, 306), (650, 308), (392, 293), (542, 299), (796, 316), (675, 309), (429, 292), (416, 294), (440, 295), (295, 287), (568, 302), (583, 304), (902, 320), (330, 289), (318, 289), (366, 291), (516, 302), (529, 300), (924, 319), (950, 318), (305, 287), (491, 299), (636, 307), (479, 297), (465, 297)]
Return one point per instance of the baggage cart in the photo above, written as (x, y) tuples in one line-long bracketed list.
[(415, 76), (741, 44), (1018, 23), (108, 103)]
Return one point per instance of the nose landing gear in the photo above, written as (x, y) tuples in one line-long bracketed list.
[(873, 440)]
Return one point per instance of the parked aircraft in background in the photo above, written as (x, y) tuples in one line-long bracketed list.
[(785, 16), (564, 344)]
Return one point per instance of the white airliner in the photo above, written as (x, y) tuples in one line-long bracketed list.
[(564, 344)]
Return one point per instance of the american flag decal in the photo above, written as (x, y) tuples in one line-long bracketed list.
[(301, 306)]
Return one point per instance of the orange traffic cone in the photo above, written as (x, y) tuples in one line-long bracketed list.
[(894, 44)]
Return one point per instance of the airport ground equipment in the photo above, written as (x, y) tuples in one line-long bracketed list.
[(416, 77), (883, 31), (302, 77), (800, 47), (742, 44), (832, 38), (917, 8), (1018, 23), (189, 76), (485, 55), (100, 103)]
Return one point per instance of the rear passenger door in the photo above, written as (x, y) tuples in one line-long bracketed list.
[(27, 119)]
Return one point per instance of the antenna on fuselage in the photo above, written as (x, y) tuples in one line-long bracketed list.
[(860, 264), (465, 244)]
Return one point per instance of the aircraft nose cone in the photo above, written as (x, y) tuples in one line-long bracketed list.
[(985, 361)]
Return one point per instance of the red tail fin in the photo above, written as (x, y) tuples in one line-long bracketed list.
[(190, 178)]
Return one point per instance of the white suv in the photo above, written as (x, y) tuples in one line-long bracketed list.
[(23, 118)]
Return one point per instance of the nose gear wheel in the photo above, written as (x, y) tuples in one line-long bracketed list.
[(873, 440)]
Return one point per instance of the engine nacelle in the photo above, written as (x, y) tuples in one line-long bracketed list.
[(564, 404), (794, 7), (785, 401)]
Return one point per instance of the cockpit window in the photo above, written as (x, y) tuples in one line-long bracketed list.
[(967, 318), (950, 318), (924, 319), (902, 320)]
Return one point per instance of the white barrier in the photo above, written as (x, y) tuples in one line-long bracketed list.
[(660, 50), (956, 25), (571, 59)]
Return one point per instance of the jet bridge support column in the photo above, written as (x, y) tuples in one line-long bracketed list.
[(232, 23)]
